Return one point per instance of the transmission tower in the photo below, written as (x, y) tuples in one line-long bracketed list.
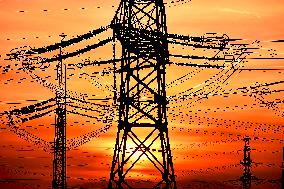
[(59, 161), (247, 176), (140, 26)]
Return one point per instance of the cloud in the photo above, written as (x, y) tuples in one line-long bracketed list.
[(241, 12)]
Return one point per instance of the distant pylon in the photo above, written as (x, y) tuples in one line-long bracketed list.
[(59, 161), (247, 176), (140, 26)]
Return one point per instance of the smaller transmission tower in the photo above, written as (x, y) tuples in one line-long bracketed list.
[(59, 161), (247, 176)]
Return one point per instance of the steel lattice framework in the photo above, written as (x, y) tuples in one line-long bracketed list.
[(140, 26), (59, 161), (247, 176)]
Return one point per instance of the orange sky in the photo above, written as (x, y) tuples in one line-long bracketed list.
[(197, 129)]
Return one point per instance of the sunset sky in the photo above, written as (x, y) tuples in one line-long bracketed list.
[(205, 133)]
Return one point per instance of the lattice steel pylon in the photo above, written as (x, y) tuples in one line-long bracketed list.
[(59, 161), (140, 27), (247, 176)]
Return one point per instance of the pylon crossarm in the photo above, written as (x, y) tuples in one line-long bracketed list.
[(17, 116), (57, 46), (39, 115), (30, 60), (195, 45), (31, 108), (209, 42), (97, 63), (22, 115), (78, 52)]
